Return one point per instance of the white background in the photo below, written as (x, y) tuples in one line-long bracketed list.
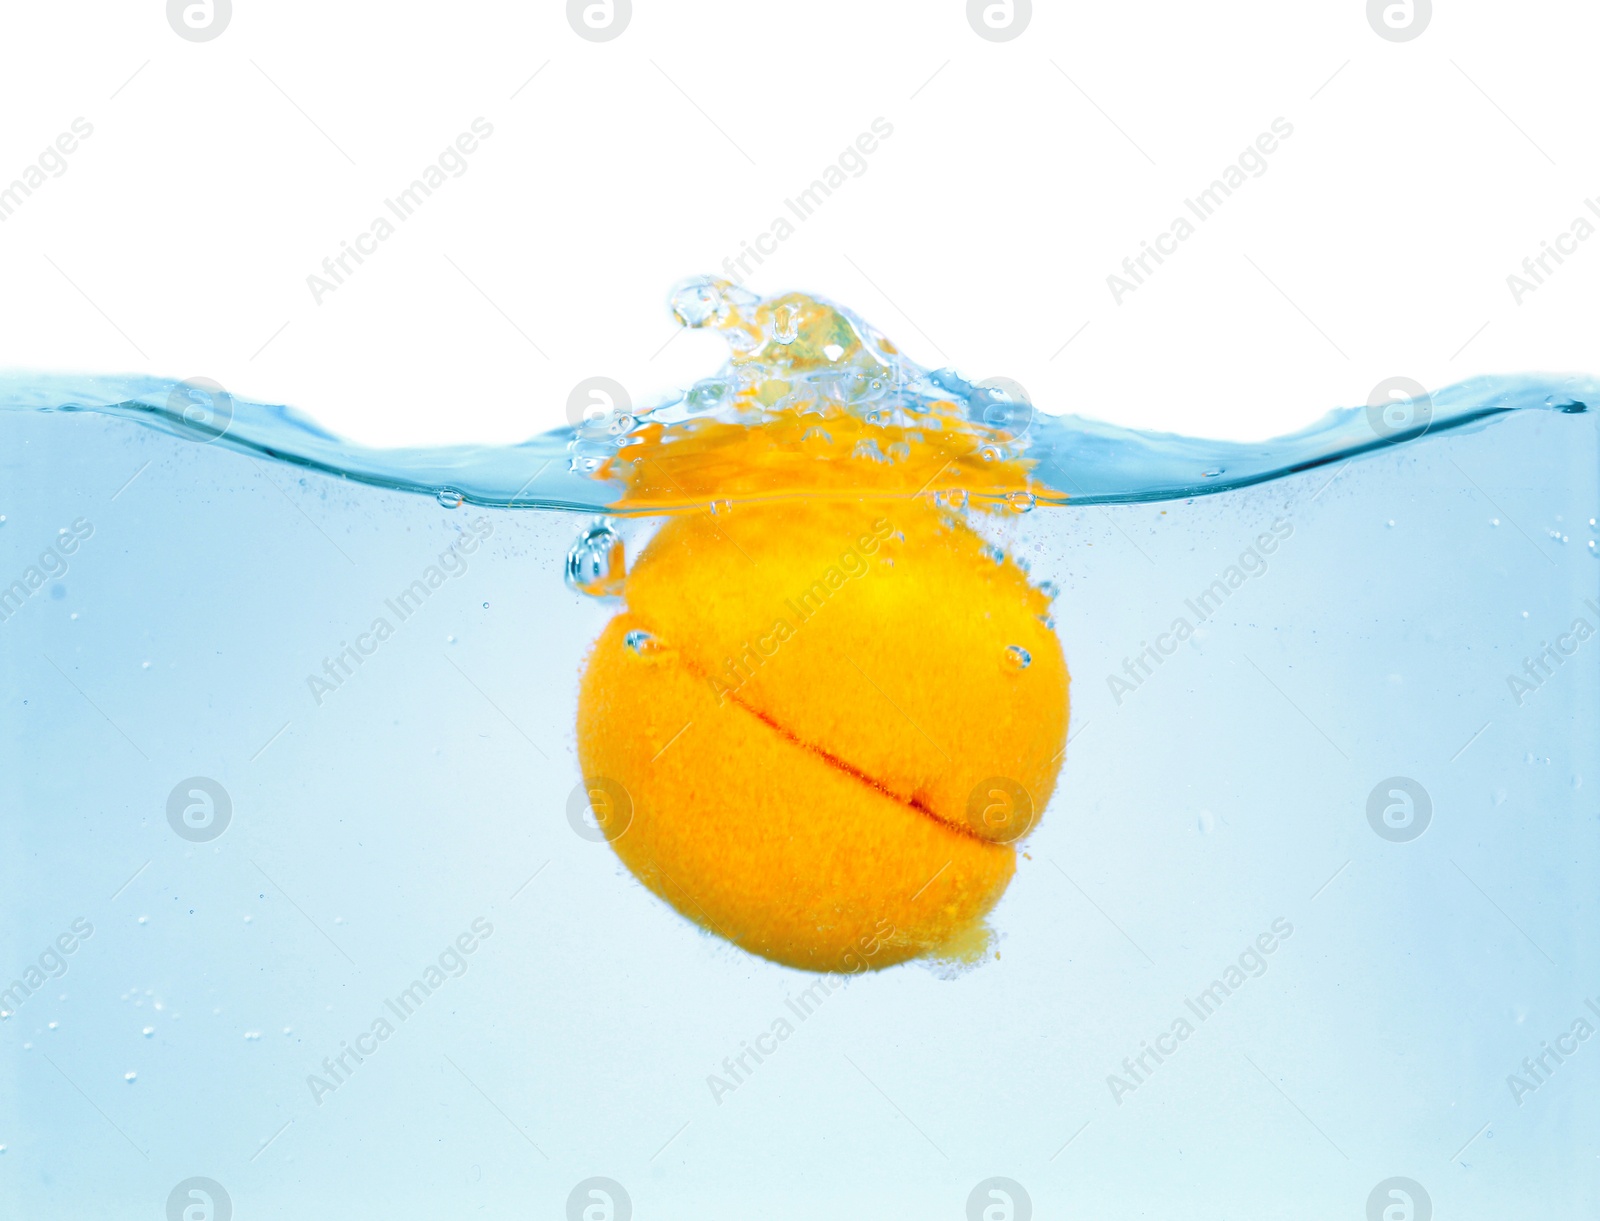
[(1020, 173)]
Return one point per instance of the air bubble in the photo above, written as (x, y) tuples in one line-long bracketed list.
[(130, 1077), (1017, 657), (149, 1032), (597, 563), (1020, 502), (640, 642), (449, 498)]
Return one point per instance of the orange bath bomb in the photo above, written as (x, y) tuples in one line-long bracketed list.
[(819, 727)]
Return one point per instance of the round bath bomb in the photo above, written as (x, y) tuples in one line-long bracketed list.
[(819, 728)]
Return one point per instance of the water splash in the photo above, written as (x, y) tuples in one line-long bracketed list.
[(812, 401)]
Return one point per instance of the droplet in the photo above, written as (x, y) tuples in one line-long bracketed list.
[(1017, 657), (698, 302), (597, 564), (449, 498), (786, 324)]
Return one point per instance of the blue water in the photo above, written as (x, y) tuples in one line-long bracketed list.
[(1373, 750)]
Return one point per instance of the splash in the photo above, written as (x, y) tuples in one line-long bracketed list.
[(812, 402)]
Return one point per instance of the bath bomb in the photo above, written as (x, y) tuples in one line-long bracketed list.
[(819, 727)]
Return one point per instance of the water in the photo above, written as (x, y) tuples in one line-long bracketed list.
[(1319, 752)]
